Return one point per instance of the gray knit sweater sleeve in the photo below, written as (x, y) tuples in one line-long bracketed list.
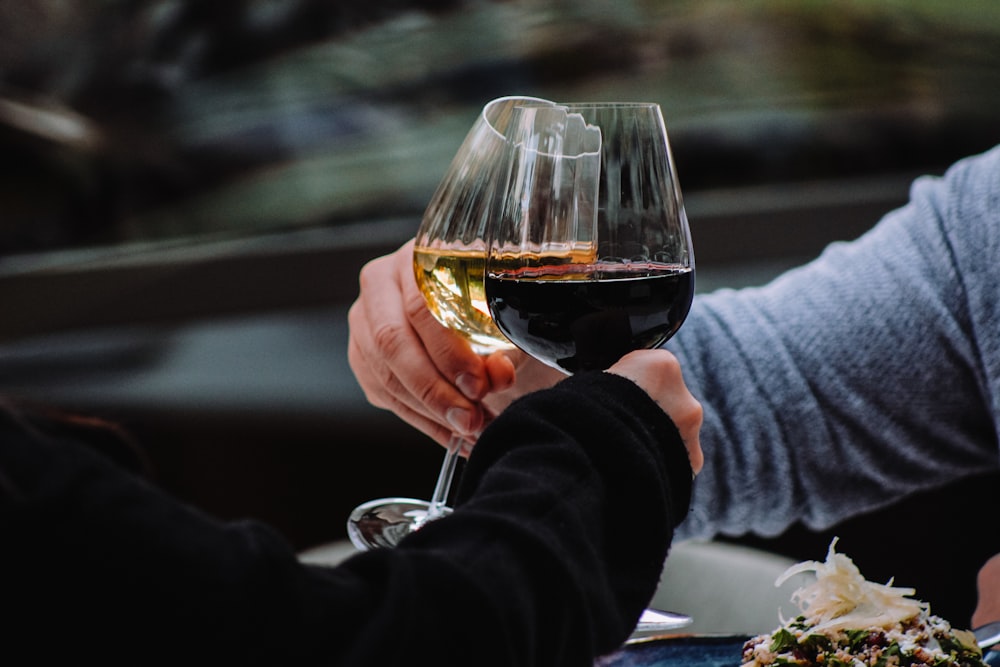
[(870, 373)]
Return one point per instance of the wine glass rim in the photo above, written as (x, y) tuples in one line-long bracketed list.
[(484, 113), (610, 105), (532, 101)]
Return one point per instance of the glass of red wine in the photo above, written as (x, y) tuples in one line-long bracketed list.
[(591, 257)]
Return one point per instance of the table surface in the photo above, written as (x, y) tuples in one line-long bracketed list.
[(680, 651)]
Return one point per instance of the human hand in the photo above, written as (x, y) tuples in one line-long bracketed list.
[(407, 362), (988, 585), (658, 373)]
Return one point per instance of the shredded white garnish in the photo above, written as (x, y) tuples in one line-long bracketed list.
[(841, 598)]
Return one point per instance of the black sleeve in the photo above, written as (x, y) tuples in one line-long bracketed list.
[(566, 509)]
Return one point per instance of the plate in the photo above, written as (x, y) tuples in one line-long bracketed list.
[(679, 651)]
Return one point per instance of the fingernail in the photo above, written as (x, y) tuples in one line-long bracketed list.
[(468, 384), (460, 419)]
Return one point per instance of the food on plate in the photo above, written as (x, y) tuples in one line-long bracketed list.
[(848, 621)]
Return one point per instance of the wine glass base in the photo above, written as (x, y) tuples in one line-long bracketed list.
[(385, 521)]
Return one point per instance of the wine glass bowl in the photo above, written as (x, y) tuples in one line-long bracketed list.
[(591, 257), (450, 246)]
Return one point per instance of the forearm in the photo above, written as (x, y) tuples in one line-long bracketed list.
[(546, 561), (848, 383), (563, 520)]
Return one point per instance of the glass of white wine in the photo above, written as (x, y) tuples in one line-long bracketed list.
[(449, 263)]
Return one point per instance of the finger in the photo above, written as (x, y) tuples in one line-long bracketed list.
[(372, 367), (499, 371), (529, 375), (376, 378), (391, 327), (387, 393), (445, 375), (685, 411), (379, 374), (658, 372), (450, 353)]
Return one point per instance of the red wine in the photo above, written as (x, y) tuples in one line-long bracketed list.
[(589, 323)]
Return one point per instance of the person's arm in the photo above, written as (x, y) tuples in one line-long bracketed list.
[(563, 518), (866, 375), (548, 559)]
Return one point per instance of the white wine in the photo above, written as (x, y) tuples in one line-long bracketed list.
[(451, 281)]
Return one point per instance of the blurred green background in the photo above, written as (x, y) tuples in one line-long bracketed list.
[(167, 119)]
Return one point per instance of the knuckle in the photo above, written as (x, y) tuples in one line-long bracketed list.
[(390, 339), (669, 366), (370, 273), (393, 387), (425, 390), (697, 411), (381, 387), (688, 416), (355, 319), (416, 309)]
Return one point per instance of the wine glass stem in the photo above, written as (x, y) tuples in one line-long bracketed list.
[(443, 487)]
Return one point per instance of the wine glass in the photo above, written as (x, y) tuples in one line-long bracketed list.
[(449, 260), (592, 255)]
